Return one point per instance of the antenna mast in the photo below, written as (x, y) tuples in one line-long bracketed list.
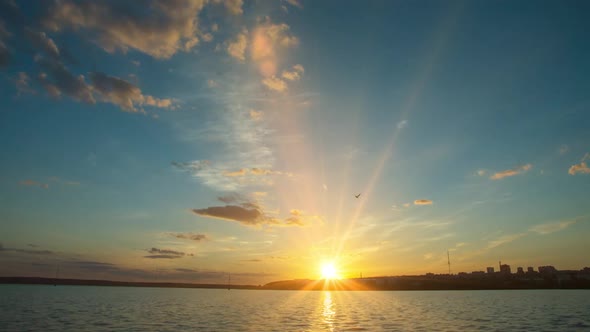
[(449, 261)]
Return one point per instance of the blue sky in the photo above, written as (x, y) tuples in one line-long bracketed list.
[(189, 140)]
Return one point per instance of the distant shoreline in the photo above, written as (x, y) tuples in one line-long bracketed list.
[(404, 283), (88, 282)]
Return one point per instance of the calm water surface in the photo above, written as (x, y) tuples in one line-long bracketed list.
[(83, 308)]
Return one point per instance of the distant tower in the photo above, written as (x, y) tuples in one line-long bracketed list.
[(449, 261)]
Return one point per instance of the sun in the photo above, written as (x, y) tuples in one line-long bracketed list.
[(329, 271)]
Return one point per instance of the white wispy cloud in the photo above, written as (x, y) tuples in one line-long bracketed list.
[(504, 239), (511, 172), (553, 227)]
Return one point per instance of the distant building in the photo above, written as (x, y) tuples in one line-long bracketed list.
[(490, 269), (530, 269), (547, 269), (505, 269), (519, 270)]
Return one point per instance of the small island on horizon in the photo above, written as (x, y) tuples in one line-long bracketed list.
[(547, 277)]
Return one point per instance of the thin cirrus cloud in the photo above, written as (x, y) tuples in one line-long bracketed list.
[(581, 168), (549, 228), (539, 229), (511, 172), (423, 202), (26, 251)]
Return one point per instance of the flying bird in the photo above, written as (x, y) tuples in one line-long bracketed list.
[(357, 196)]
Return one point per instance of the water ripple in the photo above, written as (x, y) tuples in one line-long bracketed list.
[(74, 308)]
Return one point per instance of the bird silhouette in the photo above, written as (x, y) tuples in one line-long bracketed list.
[(357, 196)]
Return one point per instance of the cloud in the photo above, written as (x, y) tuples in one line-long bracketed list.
[(250, 213), (157, 253), (124, 94), (275, 84), (505, 239), (564, 149), (58, 80), (190, 236), (240, 172), (268, 40), (295, 3), (422, 202), (262, 171), (246, 216), (255, 115), (40, 41), (234, 7), (4, 55), (298, 218), (26, 251), (581, 168), (94, 266), (541, 229), (217, 176), (4, 51), (511, 172), (237, 48), (549, 228), (193, 166), (294, 74), (23, 84), (481, 172), (402, 124), (160, 29), (212, 83), (31, 183)]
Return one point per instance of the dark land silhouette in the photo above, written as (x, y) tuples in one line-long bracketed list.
[(547, 277)]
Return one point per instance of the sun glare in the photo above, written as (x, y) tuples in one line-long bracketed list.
[(329, 271)]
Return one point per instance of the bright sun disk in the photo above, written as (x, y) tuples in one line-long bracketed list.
[(329, 271)]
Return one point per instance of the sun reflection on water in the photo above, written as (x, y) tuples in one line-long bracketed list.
[(329, 311)]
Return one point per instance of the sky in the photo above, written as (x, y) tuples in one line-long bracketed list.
[(189, 141)]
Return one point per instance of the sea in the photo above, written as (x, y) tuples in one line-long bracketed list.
[(88, 308)]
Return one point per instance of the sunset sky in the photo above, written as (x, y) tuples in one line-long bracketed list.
[(188, 140)]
